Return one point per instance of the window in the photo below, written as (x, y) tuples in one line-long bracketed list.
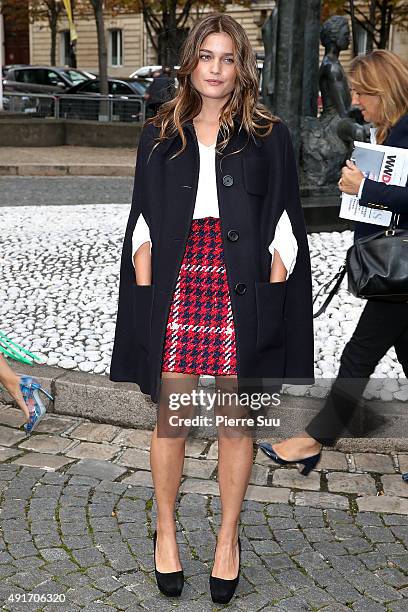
[(64, 47), (75, 76), (120, 89), (51, 78), (115, 47), (91, 87)]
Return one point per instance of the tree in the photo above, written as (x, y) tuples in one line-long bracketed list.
[(166, 21), (374, 16), (38, 10), (98, 9)]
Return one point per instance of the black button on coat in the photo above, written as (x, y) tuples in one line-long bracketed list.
[(273, 321)]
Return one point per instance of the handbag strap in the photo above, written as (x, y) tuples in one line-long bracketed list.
[(337, 280)]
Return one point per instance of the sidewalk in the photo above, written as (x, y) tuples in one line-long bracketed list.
[(61, 161), (77, 512)]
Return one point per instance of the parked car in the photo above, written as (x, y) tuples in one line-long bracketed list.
[(145, 72), (126, 95), (43, 79)]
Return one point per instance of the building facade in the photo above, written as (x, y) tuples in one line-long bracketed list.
[(129, 46)]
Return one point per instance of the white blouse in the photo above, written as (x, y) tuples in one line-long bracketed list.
[(206, 205)]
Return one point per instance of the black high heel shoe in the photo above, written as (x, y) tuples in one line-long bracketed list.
[(308, 464), (170, 583), (222, 591)]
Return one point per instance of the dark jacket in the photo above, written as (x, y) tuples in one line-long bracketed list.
[(161, 89), (392, 197), (273, 321)]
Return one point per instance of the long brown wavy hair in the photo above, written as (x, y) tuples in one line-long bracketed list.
[(243, 102), (384, 74)]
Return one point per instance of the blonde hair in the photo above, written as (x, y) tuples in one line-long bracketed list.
[(255, 117), (384, 74)]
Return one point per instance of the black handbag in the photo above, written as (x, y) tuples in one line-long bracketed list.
[(376, 266)]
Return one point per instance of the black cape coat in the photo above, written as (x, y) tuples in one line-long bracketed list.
[(273, 321)]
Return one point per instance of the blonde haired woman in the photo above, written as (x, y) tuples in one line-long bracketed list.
[(379, 82), (217, 244)]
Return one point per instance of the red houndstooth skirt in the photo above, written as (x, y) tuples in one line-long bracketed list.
[(200, 334)]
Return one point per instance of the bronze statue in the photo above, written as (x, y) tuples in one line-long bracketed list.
[(334, 87), (327, 141)]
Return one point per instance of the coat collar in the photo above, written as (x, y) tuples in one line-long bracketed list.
[(239, 137)]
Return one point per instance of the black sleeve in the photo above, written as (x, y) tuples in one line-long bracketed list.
[(298, 302)]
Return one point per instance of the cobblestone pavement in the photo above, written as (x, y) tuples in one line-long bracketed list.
[(64, 191), (77, 517)]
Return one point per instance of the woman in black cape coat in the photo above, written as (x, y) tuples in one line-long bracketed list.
[(214, 271)]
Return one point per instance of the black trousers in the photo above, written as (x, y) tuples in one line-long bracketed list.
[(381, 326)]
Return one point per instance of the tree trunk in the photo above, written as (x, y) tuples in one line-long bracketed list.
[(97, 6), (353, 28), (102, 49), (372, 22), (53, 22), (386, 20)]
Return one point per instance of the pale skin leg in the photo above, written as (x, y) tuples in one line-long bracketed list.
[(235, 457), (11, 382), (166, 461)]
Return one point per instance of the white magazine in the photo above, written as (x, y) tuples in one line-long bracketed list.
[(378, 163)]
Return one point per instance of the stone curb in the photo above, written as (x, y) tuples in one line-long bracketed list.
[(66, 170), (95, 397)]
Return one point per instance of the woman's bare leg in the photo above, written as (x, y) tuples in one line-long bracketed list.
[(11, 381), (166, 461), (235, 456)]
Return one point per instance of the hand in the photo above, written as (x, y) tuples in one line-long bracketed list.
[(351, 178)]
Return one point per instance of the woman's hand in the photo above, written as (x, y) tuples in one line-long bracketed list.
[(278, 270), (143, 265), (351, 178)]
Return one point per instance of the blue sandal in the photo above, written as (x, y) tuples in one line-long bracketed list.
[(30, 388)]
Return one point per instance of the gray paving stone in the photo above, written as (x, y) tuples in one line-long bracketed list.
[(9, 436), (95, 432), (267, 494), (43, 443), (394, 485), (370, 462), (383, 504), (94, 451), (401, 532), (48, 462), (378, 534), (294, 480), (8, 453), (369, 518), (196, 485), (333, 460), (259, 474), (198, 468), (123, 598), (351, 483), (83, 595), (54, 424), (136, 438), (320, 500), (135, 458), (97, 469)]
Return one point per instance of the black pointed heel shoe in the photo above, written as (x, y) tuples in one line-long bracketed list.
[(222, 591), (170, 583), (308, 464)]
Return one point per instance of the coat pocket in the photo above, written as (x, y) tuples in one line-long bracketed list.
[(270, 301), (255, 172), (142, 297)]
